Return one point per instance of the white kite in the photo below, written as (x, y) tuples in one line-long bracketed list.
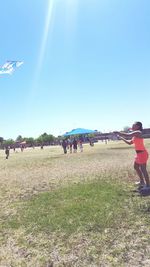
[(10, 66)]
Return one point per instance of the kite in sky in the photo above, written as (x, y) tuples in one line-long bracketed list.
[(10, 66)]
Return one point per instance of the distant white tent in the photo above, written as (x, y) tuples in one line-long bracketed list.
[(10, 66)]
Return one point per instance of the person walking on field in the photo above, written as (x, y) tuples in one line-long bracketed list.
[(141, 154), (80, 145), (7, 152), (70, 146), (75, 145), (64, 145)]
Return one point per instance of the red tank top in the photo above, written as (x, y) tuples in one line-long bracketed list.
[(138, 143)]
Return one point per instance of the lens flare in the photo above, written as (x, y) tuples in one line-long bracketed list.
[(71, 15), (48, 28)]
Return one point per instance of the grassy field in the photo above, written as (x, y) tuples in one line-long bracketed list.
[(72, 210)]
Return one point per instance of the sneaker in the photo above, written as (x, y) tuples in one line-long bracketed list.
[(141, 186), (145, 188), (145, 191)]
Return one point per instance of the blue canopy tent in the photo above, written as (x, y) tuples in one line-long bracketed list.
[(79, 131)]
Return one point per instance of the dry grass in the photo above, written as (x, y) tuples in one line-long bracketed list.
[(34, 171)]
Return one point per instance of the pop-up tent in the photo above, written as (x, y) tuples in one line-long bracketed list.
[(79, 131)]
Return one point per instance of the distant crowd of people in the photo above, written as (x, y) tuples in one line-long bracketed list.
[(134, 136), (72, 145), (68, 145), (7, 150)]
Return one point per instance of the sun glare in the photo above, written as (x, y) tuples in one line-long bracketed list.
[(71, 7), (48, 27), (47, 31), (71, 15)]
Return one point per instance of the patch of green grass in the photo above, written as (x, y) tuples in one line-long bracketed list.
[(91, 206)]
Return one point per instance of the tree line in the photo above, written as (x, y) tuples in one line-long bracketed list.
[(43, 139)]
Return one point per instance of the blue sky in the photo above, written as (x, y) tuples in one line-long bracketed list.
[(86, 64)]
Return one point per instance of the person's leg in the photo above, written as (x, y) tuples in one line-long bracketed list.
[(145, 174), (139, 172)]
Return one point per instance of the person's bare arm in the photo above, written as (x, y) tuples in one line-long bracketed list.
[(126, 141), (130, 135)]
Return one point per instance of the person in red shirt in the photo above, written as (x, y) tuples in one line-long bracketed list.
[(141, 158)]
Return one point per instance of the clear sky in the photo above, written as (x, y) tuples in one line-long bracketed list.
[(86, 64)]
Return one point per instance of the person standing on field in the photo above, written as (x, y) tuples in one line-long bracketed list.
[(75, 145), (64, 145), (141, 158), (7, 149)]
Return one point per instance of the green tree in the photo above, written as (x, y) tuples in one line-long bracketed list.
[(30, 141), (45, 138), (8, 142), (19, 138)]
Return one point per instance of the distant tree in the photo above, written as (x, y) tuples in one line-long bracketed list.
[(19, 138), (45, 138), (39, 140), (30, 141), (51, 138), (91, 135), (8, 142)]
